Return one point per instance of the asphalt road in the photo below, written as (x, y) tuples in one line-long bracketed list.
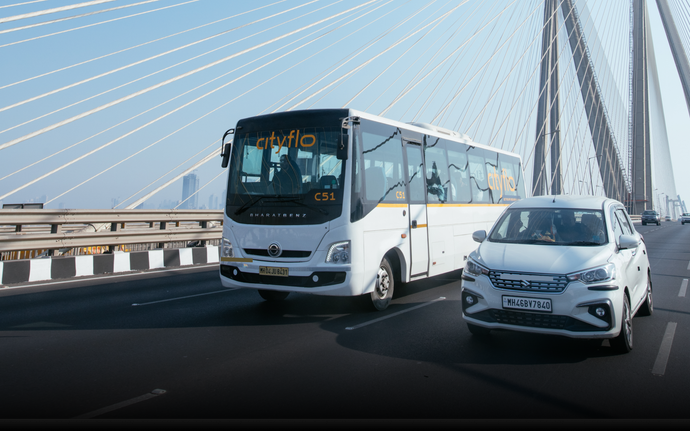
[(177, 345)]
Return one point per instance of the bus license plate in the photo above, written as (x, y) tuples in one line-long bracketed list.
[(531, 304), (272, 270)]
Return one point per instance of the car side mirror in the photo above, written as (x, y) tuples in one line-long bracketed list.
[(628, 241), (479, 235)]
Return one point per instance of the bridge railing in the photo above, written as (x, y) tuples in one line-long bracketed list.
[(26, 233)]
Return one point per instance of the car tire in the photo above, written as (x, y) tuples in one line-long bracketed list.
[(623, 343), (647, 308), (273, 295), (478, 331), (644, 224), (658, 223), (384, 287)]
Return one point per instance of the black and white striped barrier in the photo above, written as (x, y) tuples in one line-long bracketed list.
[(42, 269)]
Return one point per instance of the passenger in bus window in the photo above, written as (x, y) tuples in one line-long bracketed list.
[(434, 186), (288, 179)]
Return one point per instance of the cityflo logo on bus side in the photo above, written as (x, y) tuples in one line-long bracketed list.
[(501, 182), (306, 141)]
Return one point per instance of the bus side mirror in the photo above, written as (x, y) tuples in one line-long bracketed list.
[(341, 152), (225, 149)]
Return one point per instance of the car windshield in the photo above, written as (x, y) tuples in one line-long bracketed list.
[(649, 213), (550, 226)]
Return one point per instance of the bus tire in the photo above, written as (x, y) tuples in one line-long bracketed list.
[(273, 295), (384, 287)]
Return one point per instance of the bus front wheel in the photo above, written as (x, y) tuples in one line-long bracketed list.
[(383, 290)]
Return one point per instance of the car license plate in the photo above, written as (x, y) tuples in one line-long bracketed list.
[(532, 304), (272, 270)]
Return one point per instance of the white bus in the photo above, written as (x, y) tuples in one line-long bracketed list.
[(340, 202)]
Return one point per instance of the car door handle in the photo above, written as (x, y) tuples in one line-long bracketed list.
[(414, 224)]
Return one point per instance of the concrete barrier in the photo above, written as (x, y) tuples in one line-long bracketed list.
[(64, 267)]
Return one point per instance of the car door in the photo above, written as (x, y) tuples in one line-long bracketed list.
[(633, 258)]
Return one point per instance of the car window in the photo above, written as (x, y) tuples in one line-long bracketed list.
[(616, 225), (550, 226), (620, 214)]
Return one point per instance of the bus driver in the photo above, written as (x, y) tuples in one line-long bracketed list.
[(288, 179)]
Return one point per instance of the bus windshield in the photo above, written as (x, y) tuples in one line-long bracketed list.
[(285, 175)]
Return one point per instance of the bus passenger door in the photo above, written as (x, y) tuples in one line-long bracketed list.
[(419, 242)]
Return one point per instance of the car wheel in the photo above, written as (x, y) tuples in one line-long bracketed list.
[(273, 295), (478, 331), (624, 341), (385, 284), (644, 224), (648, 307), (658, 223)]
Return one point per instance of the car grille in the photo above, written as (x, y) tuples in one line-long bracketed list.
[(556, 286), (537, 320)]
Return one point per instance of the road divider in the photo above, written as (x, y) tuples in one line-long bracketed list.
[(64, 267)]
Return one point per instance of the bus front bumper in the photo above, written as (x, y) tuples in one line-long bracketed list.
[(332, 282)]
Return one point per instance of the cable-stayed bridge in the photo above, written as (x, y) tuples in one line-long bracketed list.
[(109, 104)]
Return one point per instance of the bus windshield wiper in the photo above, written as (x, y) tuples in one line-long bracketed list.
[(277, 198), (249, 204)]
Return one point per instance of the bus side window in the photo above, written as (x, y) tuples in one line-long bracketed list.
[(459, 179), (478, 179), (437, 181), (383, 161), (415, 172)]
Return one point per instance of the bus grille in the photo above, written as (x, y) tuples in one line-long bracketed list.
[(290, 254)]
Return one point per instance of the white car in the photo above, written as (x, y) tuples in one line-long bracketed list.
[(564, 265), (685, 218)]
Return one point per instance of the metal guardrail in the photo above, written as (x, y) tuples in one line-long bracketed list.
[(55, 229)]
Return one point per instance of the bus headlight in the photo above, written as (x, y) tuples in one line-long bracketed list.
[(339, 252), (226, 248)]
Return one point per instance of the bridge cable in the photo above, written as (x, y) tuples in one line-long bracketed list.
[(176, 131), (149, 59), (137, 46), (74, 17), (168, 81), (95, 24)]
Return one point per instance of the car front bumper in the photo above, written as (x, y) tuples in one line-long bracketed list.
[(573, 312)]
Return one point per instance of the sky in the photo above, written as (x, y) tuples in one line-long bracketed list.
[(106, 101)]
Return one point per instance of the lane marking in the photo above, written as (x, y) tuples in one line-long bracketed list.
[(683, 288), (154, 393), (182, 297), (688, 266), (351, 328), (665, 350)]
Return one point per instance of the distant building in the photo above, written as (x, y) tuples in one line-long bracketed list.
[(190, 185)]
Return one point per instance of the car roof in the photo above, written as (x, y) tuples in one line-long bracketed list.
[(563, 201)]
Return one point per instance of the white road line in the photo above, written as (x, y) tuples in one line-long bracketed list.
[(683, 288), (154, 393), (665, 350), (182, 297), (688, 266), (350, 328)]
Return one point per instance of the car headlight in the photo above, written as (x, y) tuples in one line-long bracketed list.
[(339, 252), (595, 275), (226, 248), (472, 267)]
